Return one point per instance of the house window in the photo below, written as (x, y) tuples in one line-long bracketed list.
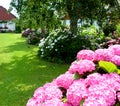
[(5, 26)]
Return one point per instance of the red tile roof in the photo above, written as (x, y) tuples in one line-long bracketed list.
[(4, 15)]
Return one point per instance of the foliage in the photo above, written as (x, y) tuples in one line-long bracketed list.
[(108, 66), (88, 30), (21, 70), (89, 86), (39, 14), (18, 28), (48, 14), (109, 28), (118, 30), (61, 46), (112, 39), (34, 38)]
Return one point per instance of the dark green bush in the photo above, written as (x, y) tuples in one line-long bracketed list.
[(109, 28), (18, 29), (33, 38), (61, 46)]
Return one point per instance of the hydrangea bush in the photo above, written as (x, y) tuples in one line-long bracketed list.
[(62, 46), (32, 36), (92, 80), (110, 41), (27, 32)]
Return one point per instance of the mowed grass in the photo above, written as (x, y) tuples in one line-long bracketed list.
[(21, 71)]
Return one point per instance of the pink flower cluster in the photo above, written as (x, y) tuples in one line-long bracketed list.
[(116, 58), (82, 66), (112, 54), (85, 54), (64, 80), (95, 90), (45, 94), (76, 92)]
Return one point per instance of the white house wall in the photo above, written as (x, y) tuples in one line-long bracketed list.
[(2, 25), (11, 26)]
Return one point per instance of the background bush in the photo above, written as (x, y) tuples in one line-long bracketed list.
[(109, 28), (27, 32), (33, 37), (118, 30), (61, 46)]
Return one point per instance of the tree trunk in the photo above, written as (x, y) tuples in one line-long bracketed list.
[(73, 25), (73, 12)]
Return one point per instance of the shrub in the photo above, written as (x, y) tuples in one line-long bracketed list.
[(27, 32), (110, 41), (89, 30), (118, 30), (61, 46), (18, 29), (96, 81), (109, 28), (33, 38)]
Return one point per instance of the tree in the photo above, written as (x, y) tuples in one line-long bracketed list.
[(36, 14), (48, 13), (109, 12)]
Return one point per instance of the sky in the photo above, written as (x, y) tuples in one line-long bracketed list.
[(6, 4)]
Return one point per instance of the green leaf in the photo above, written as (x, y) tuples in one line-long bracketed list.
[(81, 102), (117, 104), (64, 100), (107, 66), (118, 71), (77, 76)]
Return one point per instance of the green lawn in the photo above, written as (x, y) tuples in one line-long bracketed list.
[(21, 71)]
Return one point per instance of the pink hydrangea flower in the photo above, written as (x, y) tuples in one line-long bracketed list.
[(114, 76), (86, 54), (112, 82), (82, 66), (102, 90), (39, 95), (47, 92), (95, 101), (102, 86), (93, 79), (115, 49), (53, 102), (33, 102), (76, 92), (103, 54), (116, 60), (64, 80), (52, 92)]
